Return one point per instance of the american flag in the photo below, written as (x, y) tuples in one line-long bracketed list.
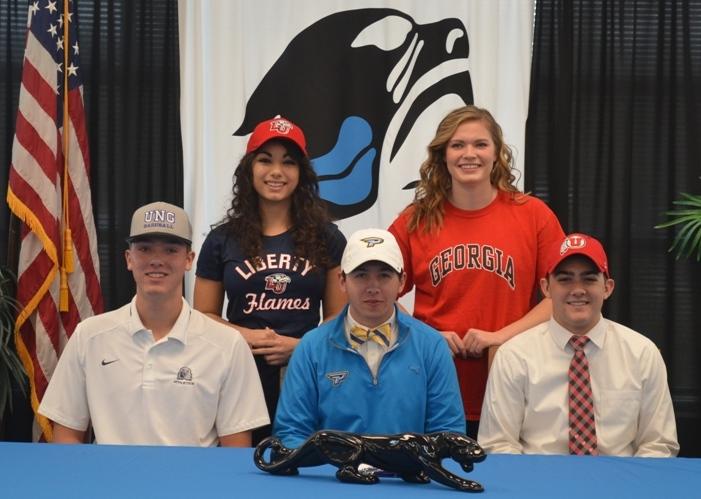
[(51, 195)]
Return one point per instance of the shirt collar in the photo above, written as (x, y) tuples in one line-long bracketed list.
[(177, 332), (561, 336)]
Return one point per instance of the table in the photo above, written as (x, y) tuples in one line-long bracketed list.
[(104, 471)]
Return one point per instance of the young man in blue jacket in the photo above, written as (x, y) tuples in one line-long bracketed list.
[(373, 369)]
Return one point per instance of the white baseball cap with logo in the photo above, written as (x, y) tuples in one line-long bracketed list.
[(368, 245), (160, 219)]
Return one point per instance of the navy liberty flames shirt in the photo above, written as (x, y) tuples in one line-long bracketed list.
[(279, 293)]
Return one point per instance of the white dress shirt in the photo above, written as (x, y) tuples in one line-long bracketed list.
[(525, 408)]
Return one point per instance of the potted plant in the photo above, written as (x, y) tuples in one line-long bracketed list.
[(11, 368), (687, 241)]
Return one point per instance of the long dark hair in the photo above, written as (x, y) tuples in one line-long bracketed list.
[(309, 214)]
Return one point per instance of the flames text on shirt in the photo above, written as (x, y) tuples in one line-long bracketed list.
[(262, 302), (472, 256)]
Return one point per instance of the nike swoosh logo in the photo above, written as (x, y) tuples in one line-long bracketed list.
[(107, 362)]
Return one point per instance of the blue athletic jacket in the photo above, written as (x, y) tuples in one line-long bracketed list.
[(328, 385)]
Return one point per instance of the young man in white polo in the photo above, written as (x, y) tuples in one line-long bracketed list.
[(373, 369), (155, 371), (578, 384)]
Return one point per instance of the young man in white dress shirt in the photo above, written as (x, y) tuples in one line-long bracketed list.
[(155, 371), (526, 406)]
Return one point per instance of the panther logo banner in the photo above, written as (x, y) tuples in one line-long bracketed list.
[(380, 70), (367, 84)]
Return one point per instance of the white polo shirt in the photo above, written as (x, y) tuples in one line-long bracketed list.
[(195, 384)]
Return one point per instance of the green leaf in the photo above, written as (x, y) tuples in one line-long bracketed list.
[(10, 366), (687, 219), (683, 242)]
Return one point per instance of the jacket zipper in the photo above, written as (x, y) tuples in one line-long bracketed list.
[(375, 380)]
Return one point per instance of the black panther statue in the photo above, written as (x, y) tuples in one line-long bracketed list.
[(414, 457)]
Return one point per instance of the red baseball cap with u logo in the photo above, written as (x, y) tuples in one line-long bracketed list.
[(276, 128), (579, 244)]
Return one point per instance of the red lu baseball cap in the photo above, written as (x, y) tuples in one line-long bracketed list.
[(579, 244), (276, 128)]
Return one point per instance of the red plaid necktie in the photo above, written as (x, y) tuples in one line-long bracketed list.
[(582, 426)]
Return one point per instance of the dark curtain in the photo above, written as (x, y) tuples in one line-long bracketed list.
[(612, 138), (129, 52)]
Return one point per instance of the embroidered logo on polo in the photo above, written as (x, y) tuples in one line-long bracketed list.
[(184, 376), (277, 283), (336, 378), (108, 362)]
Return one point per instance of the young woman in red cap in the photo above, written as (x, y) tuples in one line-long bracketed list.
[(275, 256)]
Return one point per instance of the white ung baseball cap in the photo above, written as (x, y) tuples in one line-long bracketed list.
[(160, 219)]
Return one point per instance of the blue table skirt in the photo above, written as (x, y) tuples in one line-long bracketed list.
[(97, 471)]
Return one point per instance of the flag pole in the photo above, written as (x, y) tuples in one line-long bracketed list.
[(67, 253)]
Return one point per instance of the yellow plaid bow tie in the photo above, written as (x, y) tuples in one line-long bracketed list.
[(380, 335)]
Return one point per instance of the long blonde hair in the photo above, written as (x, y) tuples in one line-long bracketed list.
[(435, 182)]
